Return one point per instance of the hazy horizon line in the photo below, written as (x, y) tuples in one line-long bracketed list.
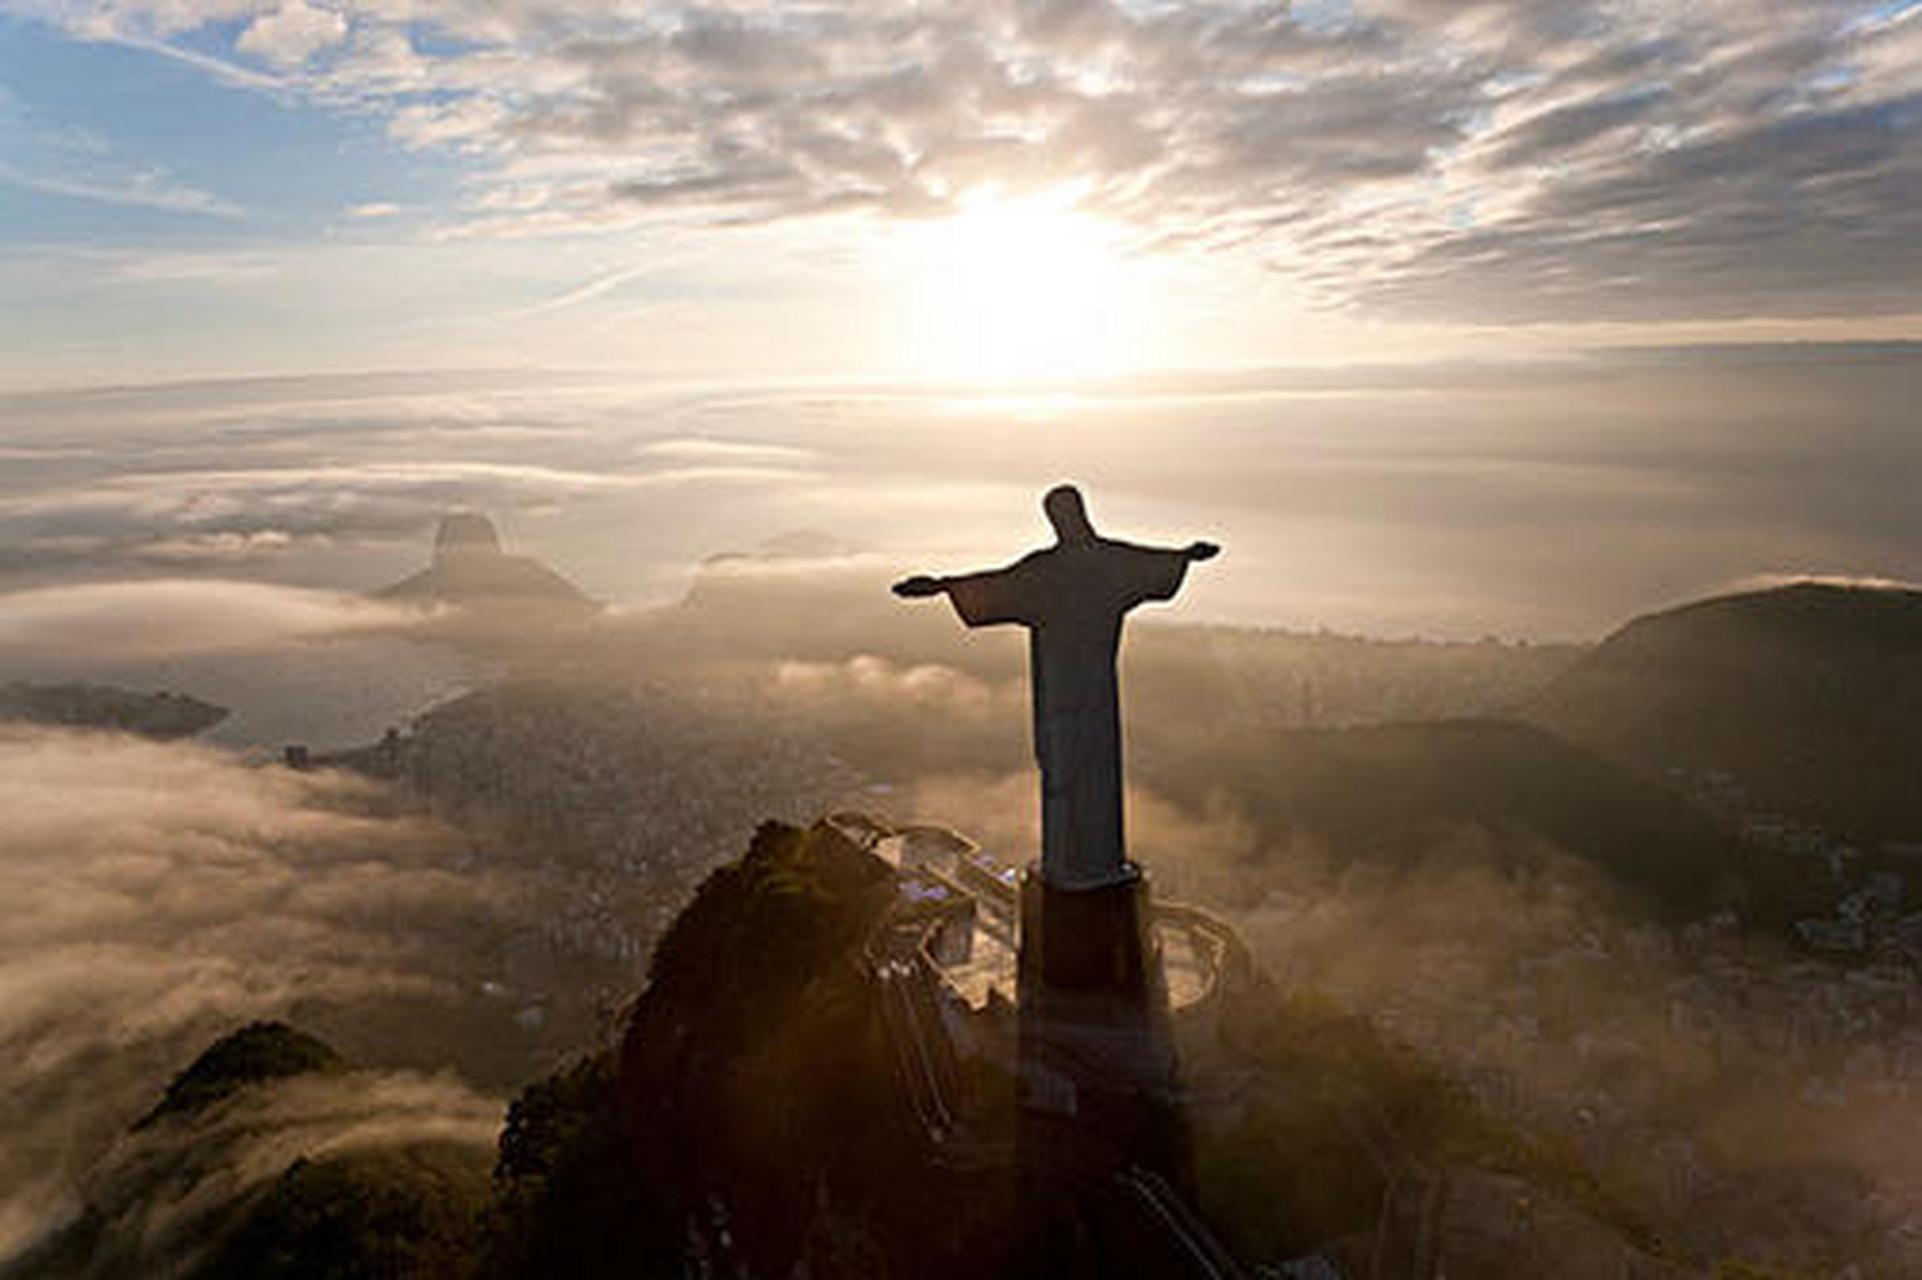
[(1361, 374)]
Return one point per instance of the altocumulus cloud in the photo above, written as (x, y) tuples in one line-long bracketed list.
[(157, 896), (1493, 160)]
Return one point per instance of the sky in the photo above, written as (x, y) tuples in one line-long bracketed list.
[(1445, 318), (1002, 190)]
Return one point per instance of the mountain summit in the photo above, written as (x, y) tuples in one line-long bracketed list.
[(470, 568), (466, 534), (1806, 694)]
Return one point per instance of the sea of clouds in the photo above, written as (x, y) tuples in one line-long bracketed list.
[(159, 895), (1528, 501)]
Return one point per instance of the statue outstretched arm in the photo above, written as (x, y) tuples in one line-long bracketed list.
[(1156, 573), (919, 585), (982, 599)]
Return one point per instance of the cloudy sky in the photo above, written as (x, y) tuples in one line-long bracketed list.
[(1003, 188), (1444, 317)]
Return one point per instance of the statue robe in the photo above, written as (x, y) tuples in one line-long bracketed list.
[(1072, 598)]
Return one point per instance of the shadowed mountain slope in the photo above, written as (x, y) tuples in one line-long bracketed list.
[(1385, 793), (1809, 695), (257, 1052), (412, 1210), (270, 1156), (754, 1102)]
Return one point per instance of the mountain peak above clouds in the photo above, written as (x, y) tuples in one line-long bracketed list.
[(470, 568)]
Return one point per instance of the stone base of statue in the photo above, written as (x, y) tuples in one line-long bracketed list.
[(1099, 1089), (1098, 941)]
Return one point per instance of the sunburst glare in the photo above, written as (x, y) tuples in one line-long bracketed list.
[(1024, 289)]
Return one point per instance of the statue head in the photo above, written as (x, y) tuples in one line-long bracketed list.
[(1068, 514)]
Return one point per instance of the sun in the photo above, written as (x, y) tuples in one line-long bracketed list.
[(1024, 289)]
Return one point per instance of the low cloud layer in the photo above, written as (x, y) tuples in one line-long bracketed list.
[(1542, 501), (160, 895), (1748, 1103), (289, 664), (876, 686), (1742, 1101), (160, 1196), (1496, 161), (86, 626)]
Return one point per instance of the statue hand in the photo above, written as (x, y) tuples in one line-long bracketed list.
[(1203, 551), (919, 585)]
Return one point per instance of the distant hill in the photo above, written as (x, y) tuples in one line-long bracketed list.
[(470, 569), (232, 1175), (254, 1054), (1387, 793), (1809, 695), (98, 706)]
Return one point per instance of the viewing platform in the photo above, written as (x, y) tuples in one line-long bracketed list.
[(972, 900), (1099, 1111)]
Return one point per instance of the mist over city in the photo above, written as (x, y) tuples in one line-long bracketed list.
[(1048, 638)]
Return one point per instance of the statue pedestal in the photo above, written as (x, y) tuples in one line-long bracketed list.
[(1097, 941), (1098, 1079)]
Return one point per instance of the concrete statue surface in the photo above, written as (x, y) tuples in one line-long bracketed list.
[(1072, 598)]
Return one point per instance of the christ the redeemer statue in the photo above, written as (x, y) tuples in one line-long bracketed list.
[(1071, 597)]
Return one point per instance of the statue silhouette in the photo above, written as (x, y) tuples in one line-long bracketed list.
[(1072, 598)]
